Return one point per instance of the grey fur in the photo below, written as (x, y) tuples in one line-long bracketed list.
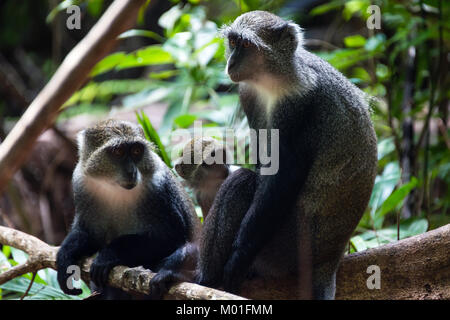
[(118, 219), (203, 178), (280, 85), (129, 208)]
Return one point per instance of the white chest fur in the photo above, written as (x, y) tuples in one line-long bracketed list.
[(112, 195), (269, 91)]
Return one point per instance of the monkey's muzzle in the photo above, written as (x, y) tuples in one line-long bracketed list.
[(128, 185)]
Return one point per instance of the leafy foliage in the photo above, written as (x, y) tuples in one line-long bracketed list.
[(45, 285), (375, 63)]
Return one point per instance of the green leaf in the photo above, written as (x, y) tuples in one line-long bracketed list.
[(19, 256), (151, 55), (94, 7), (383, 187), (354, 41), (361, 73), (396, 198), (146, 97), (60, 7), (382, 72), (417, 227), (6, 250), (375, 43), (341, 59), (324, 8), (141, 33), (164, 74), (358, 243), (108, 63), (352, 7), (185, 120), (385, 147), (37, 291), (152, 135), (168, 19)]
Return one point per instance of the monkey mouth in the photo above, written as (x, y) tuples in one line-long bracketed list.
[(128, 185), (234, 76)]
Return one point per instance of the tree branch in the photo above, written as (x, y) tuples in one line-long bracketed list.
[(135, 280), (68, 78), (413, 268)]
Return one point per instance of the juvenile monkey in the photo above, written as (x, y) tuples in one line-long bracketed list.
[(206, 176), (297, 221), (128, 207)]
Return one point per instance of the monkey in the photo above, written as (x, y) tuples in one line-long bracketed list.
[(129, 208), (206, 176), (298, 221)]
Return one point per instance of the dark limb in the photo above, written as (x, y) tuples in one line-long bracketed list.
[(274, 199), (222, 224), (178, 267), (76, 246), (130, 250)]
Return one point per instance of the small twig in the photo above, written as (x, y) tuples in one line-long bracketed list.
[(29, 286), (443, 131), (16, 271)]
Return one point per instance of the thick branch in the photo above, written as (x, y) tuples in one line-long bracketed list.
[(68, 78), (413, 268), (41, 255)]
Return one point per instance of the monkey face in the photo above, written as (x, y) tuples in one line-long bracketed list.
[(258, 43), (126, 157), (201, 160), (118, 154), (244, 59), (118, 163)]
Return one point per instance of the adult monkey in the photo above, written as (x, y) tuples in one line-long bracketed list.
[(299, 220)]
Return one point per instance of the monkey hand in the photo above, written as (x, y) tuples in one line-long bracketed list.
[(65, 281), (101, 266), (234, 271), (160, 284)]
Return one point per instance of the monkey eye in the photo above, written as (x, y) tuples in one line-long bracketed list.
[(137, 150), (232, 43), (246, 43), (118, 151)]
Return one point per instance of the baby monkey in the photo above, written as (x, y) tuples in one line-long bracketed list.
[(203, 166)]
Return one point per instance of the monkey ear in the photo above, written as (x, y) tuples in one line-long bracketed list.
[(288, 31), (141, 131), (279, 29), (88, 139)]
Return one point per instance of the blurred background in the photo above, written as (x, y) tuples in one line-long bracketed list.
[(168, 72)]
